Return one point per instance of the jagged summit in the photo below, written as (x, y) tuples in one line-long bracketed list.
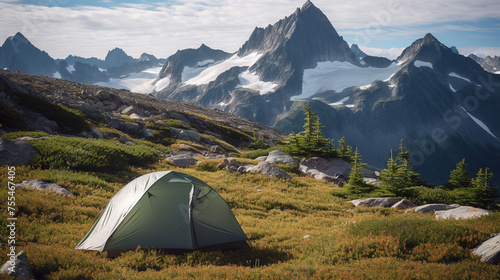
[(18, 39)]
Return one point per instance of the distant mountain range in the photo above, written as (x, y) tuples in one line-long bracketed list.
[(18, 54), (444, 105)]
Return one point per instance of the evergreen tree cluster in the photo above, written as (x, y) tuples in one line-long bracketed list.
[(399, 178), (311, 142)]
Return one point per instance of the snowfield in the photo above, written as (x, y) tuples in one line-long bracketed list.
[(337, 76), (252, 81), (481, 124), (141, 82), (453, 74), (210, 73), (420, 63)]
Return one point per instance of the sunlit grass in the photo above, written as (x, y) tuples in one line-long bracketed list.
[(297, 230)]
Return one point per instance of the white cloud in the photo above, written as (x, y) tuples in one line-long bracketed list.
[(222, 24), (391, 53)]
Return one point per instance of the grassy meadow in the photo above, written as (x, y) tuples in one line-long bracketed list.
[(297, 228)]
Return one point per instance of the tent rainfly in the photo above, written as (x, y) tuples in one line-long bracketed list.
[(165, 210)]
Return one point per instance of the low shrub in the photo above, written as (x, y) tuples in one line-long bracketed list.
[(98, 155)]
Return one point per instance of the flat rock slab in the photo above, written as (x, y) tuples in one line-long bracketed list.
[(280, 157), (489, 251), (403, 204), (183, 160), (435, 207), (375, 202), (41, 185), (16, 152), (461, 212), (18, 268), (267, 169)]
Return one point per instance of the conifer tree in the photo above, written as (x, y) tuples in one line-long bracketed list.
[(483, 194), (459, 177), (356, 183), (400, 174), (311, 141)]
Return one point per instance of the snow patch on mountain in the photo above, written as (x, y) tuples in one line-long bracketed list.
[(452, 88), (481, 124), (71, 68), (212, 72), (420, 63), (162, 83), (340, 102), (252, 81), (191, 72), (57, 75), (141, 82), (453, 74), (337, 76)]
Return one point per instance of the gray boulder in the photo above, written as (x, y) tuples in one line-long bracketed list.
[(334, 170), (16, 152), (183, 160), (489, 251), (41, 185), (280, 157), (375, 202), (18, 267), (461, 212), (187, 135), (403, 204), (435, 207), (267, 169)]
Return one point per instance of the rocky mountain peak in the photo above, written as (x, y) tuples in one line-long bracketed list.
[(17, 39), (117, 57)]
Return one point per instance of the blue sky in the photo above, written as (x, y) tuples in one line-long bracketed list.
[(381, 27)]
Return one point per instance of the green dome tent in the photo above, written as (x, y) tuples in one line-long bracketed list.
[(165, 210)]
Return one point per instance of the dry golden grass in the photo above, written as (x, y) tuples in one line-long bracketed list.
[(297, 230)]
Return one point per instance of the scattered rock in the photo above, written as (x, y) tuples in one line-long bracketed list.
[(128, 110), (489, 251), (461, 212), (183, 160), (403, 204), (267, 169), (280, 157), (217, 150), (96, 132), (435, 207), (187, 135), (41, 185), (103, 95), (262, 158), (375, 202), (16, 152), (135, 116), (334, 170), (18, 267), (148, 133)]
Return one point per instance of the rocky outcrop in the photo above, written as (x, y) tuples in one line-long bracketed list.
[(267, 169), (435, 207), (375, 202), (183, 160), (280, 157), (334, 170), (18, 267), (16, 152), (489, 251), (461, 212), (116, 109), (41, 185)]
